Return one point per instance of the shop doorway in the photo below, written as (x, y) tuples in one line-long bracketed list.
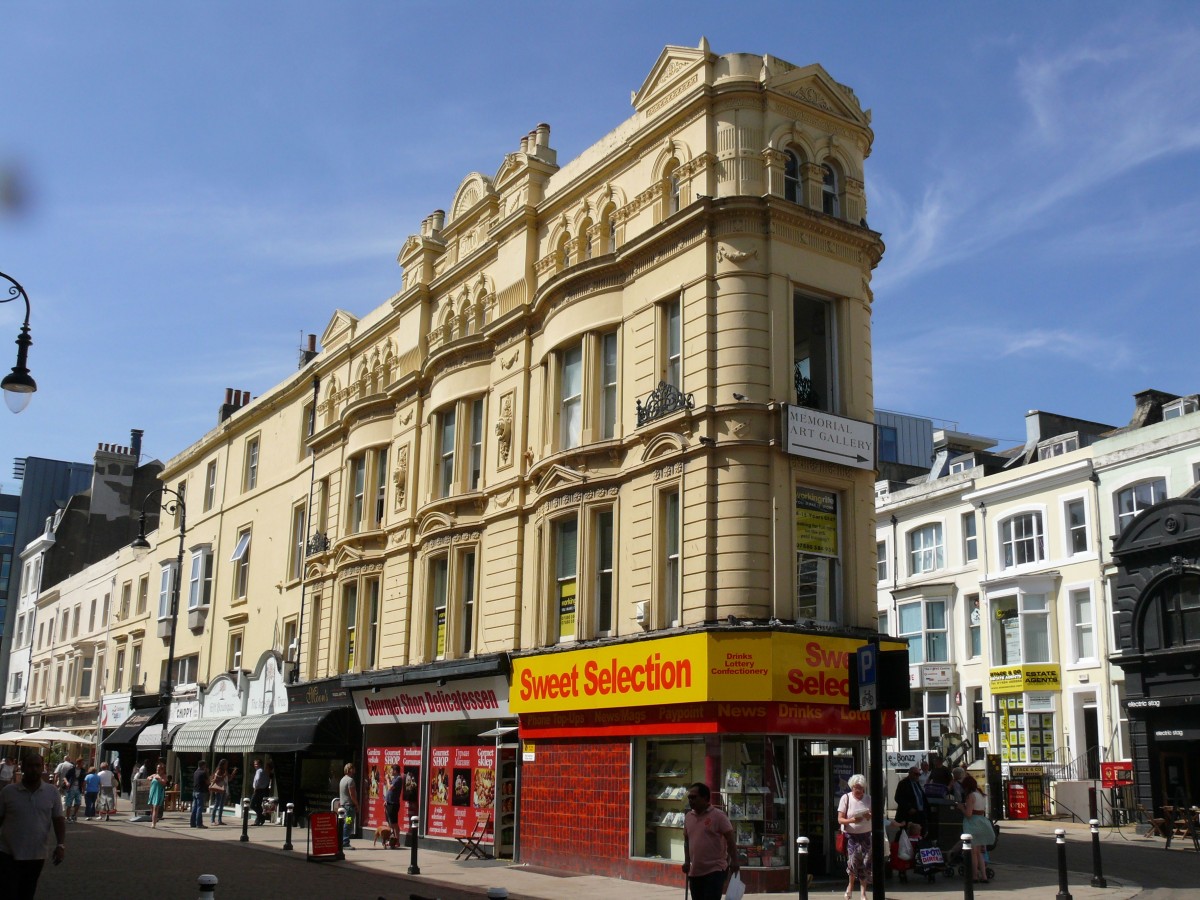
[(822, 770), (1176, 779)]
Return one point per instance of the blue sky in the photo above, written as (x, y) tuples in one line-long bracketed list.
[(204, 183)]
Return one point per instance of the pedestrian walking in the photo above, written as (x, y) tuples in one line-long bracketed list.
[(109, 785), (91, 790), (219, 788), (70, 775), (854, 817), (199, 794), (28, 810), (8, 772), (158, 794), (709, 850), (348, 797), (978, 826), (261, 784)]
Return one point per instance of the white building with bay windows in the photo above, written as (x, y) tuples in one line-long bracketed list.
[(995, 568)]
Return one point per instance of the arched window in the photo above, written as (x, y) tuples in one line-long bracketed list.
[(1177, 603), (791, 177), (829, 191)]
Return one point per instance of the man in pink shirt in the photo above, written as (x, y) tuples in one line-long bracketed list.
[(709, 850)]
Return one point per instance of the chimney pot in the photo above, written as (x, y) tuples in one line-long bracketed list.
[(228, 395), (312, 343)]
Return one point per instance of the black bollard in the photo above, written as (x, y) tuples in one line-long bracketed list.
[(208, 886), (413, 868), (287, 821), (968, 868), (245, 819), (1060, 838), (802, 866), (1097, 870)]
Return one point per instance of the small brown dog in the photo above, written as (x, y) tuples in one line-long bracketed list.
[(383, 833)]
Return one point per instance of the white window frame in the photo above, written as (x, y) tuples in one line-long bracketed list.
[(1021, 545), (1082, 623), (241, 561), (1031, 607), (200, 575), (250, 472), (882, 563), (926, 548), (210, 485), (1071, 529), (970, 535), (299, 541), (610, 367), (973, 616), (446, 434), (166, 573), (1154, 486)]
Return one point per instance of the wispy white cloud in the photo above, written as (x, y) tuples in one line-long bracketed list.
[(1116, 101)]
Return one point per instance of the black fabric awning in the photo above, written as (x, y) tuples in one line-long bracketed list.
[(309, 728), (129, 730)]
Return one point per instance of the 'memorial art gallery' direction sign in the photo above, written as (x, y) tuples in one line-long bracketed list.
[(822, 435)]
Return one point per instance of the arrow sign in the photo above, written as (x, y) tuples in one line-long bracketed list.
[(822, 435)]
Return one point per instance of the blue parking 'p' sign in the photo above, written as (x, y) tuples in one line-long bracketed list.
[(867, 659)]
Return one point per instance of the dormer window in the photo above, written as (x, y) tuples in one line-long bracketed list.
[(1059, 446), (1180, 407), (962, 464)]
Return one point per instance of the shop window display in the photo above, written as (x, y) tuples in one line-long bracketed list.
[(746, 775)]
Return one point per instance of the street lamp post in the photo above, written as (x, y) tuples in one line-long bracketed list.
[(140, 547), (18, 386)]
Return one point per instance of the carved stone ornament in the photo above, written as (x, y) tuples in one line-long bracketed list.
[(507, 364), (1177, 564), (735, 256), (504, 429), (400, 477)]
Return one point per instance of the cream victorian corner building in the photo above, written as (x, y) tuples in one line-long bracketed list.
[(591, 495)]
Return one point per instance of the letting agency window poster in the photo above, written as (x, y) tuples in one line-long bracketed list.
[(816, 522)]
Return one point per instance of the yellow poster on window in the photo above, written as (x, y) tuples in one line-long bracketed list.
[(566, 610), (816, 522), (440, 631)]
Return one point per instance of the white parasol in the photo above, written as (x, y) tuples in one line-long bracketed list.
[(50, 735), (22, 737)]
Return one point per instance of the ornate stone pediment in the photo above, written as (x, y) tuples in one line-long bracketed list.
[(677, 68), (813, 86), (559, 476), (339, 330)]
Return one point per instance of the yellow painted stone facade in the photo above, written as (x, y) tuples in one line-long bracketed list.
[(566, 425)]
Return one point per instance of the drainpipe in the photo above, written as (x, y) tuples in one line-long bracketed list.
[(294, 675)]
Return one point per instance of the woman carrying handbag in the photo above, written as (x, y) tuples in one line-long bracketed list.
[(854, 817), (219, 788)]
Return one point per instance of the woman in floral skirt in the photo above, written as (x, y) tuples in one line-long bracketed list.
[(854, 816)]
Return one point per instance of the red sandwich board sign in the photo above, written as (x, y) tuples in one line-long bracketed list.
[(1018, 801), (325, 840)]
